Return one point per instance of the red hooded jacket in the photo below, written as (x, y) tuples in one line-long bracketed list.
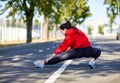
[(74, 38)]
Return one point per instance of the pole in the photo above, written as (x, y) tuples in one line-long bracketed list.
[(119, 11)]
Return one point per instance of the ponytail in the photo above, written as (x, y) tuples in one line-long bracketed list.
[(66, 25)]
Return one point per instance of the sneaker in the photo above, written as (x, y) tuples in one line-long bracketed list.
[(39, 64), (91, 64)]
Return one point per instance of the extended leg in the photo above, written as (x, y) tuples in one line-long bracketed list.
[(62, 57)]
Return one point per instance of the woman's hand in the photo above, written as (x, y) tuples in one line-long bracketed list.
[(46, 60), (68, 49)]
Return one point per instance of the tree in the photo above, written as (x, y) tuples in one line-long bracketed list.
[(75, 11), (27, 9), (47, 7), (58, 10), (112, 10), (100, 30), (89, 30), (22, 9)]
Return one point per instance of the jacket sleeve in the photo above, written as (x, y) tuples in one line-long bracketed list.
[(64, 45)]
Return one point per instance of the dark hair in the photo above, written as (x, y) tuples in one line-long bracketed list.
[(66, 25)]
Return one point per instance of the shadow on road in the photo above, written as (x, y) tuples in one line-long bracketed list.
[(103, 68), (107, 45), (16, 64)]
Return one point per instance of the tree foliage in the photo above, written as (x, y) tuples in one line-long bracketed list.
[(112, 10), (73, 10), (100, 30)]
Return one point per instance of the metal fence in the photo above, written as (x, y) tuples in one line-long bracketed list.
[(11, 30)]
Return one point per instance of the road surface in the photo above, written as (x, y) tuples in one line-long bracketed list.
[(16, 64)]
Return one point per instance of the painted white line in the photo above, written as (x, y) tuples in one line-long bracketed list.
[(58, 72), (15, 59), (40, 50), (30, 54), (53, 46), (48, 48)]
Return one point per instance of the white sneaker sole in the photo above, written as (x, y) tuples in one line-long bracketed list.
[(91, 66), (38, 64)]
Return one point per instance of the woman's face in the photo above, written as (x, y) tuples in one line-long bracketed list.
[(63, 31)]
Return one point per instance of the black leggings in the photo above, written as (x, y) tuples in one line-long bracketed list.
[(75, 53)]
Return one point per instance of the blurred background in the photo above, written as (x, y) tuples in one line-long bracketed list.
[(30, 20)]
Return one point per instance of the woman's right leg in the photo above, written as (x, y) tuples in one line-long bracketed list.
[(97, 53)]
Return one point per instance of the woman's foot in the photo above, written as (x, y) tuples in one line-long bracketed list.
[(91, 64)]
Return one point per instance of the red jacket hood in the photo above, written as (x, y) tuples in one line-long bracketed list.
[(70, 31)]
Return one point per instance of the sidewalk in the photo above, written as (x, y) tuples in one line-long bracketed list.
[(13, 43)]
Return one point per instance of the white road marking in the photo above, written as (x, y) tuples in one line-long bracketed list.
[(30, 54), (58, 72), (53, 46), (48, 48), (40, 50), (15, 59)]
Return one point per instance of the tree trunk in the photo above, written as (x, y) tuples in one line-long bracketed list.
[(29, 13), (54, 31), (29, 31), (46, 31), (110, 25)]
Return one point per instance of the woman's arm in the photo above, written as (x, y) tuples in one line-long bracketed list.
[(46, 60), (68, 49), (64, 46)]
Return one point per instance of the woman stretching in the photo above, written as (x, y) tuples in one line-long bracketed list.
[(75, 45)]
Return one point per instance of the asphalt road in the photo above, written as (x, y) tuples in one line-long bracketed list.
[(16, 64)]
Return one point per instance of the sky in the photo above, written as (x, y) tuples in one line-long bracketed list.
[(98, 11)]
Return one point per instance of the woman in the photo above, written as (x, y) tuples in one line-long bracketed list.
[(75, 45)]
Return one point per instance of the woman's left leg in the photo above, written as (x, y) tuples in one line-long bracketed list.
[(74, 53), (62, 57), (58, 58)]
